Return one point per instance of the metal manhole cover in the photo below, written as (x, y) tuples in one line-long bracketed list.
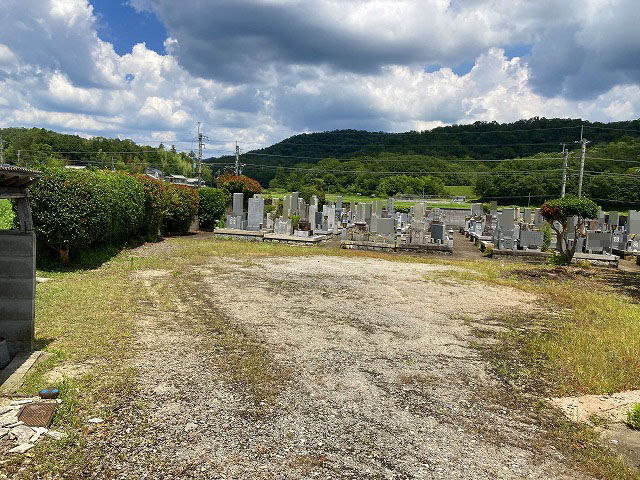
[(38, 414)]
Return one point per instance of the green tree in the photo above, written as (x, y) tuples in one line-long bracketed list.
[(558, 213)]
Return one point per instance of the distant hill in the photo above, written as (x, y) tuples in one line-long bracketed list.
[(480, 140)]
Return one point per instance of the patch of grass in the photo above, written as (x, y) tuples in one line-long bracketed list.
[(6, 214), (633, 417), (83, 318), (584, 339), (583, 444), (460, 190)]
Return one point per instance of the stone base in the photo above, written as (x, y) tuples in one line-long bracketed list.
[(399, 248), (293, 240), (234, 234)]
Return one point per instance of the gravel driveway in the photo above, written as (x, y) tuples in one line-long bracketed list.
[(369, 372)]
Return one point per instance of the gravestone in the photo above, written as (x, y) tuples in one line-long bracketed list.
[(269, 221), (633, 222), (286, 206), (311, 216), (476, 210), (537, 218), (236, 220), (438, 233), (614, 219), (391, 205), (302, 208), (494, 207), (506, 219), (339, 202), (418, 212), (386, 228), (255, 219), (367, 212), (294, 203), (598, 242), (238, 203), (531, 239), (282, 226), (527, 215)]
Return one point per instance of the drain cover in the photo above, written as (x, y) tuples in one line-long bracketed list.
[(38, 414)]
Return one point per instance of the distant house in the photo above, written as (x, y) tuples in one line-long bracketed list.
[(459, 199), (154, 173), (177, 179), (75, 167)]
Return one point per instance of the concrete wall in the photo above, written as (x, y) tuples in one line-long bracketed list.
[(454, 217), (17, 289)]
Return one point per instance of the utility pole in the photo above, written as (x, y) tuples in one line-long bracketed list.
[(113, 168), (237, 159), (583, 143), (18, 161), (1, 150), (565, 153), (199, 156)]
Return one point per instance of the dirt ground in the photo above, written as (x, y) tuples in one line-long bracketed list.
[(371, 373)]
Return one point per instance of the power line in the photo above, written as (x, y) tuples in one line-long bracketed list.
[(448, 145)]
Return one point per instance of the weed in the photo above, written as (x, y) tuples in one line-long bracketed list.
[(633, 417)]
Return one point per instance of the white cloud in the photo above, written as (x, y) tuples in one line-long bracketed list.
[(56, 72)]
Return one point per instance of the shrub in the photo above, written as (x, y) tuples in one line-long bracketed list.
[(183, 207), (309, 191), (70, 209), (126, 205), (156, 205), (6, 214), (213, 203), (402, 208), (239, 184)]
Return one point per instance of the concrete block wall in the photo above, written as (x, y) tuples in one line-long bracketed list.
[(17, 289), (454, 217)]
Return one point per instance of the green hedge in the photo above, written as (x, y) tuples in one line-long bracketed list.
[(157, 196), (213, 203), (76, 209), (183, 207)]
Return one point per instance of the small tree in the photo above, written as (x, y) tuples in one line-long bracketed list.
[(559, 211)]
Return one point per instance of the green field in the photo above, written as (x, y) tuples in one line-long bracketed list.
[(6, 215), (348, 198), (462, 190)]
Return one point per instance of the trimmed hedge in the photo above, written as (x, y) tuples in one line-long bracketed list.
[(213, 203), (157, 196), (76, 209), (183, 207)]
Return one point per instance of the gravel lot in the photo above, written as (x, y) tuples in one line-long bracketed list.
[(371, 374)]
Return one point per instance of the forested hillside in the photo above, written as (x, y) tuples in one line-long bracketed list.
[(518, 162), (508, 162), (33, 147)]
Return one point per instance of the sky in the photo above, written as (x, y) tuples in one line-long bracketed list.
[(258, 71)]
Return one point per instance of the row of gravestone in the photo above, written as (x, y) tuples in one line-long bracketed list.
[(512, 229), (379, 218)]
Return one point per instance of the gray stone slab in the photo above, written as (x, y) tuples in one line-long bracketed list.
[(238, 204), (476, 209), (614, 218), (633, 222), (386, 226), (255, 217)]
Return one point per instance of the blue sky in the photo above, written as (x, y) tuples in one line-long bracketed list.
[(258, 71), (120, 24)]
